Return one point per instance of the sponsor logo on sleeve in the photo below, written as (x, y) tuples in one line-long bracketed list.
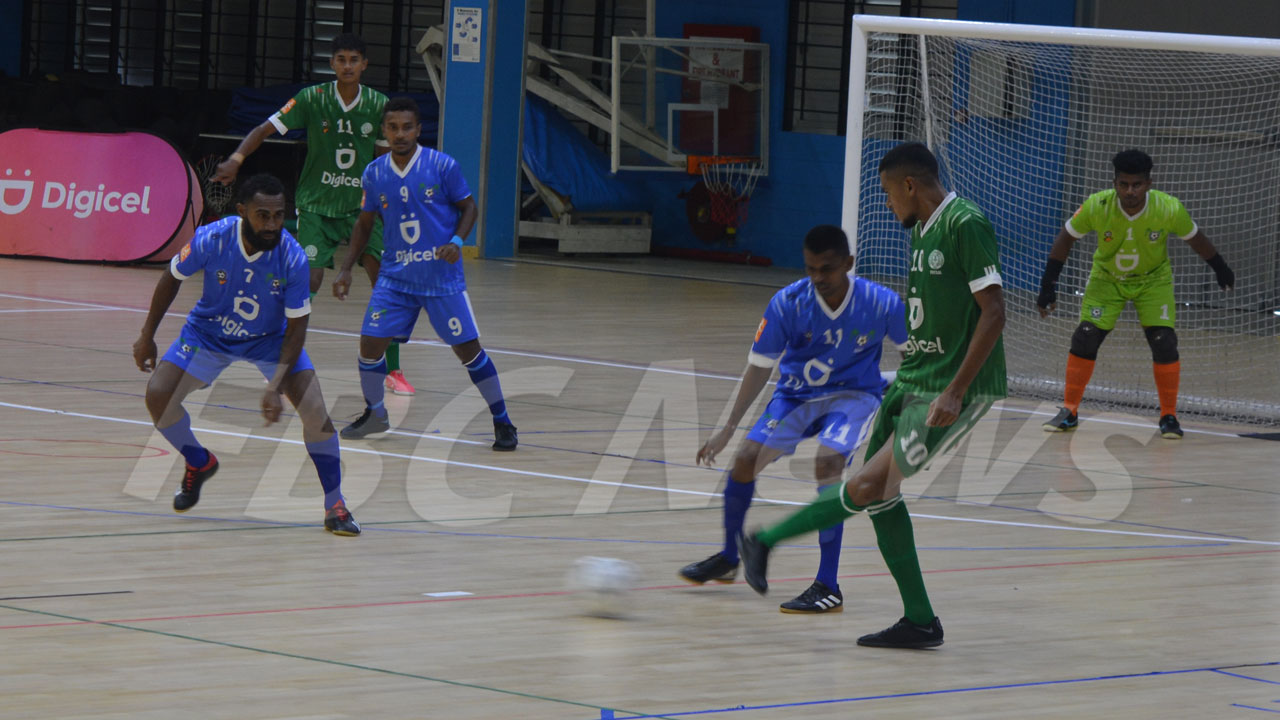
[(760, 330), (186, 251), (288, 106)]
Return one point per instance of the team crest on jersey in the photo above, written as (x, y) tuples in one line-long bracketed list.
[(1154, 235), (862, 340), (1095, 312), (366, 128), (222, 277), (936, 259), (324, 126), (275, 284), (382, 200), (1106, 236), (311, 251)]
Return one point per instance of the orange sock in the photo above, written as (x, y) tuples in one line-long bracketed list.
[(1079, 371), (1167, 375)]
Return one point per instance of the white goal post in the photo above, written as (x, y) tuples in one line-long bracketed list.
[(1024, 120)]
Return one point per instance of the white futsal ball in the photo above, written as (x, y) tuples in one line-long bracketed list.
[(603, 585)]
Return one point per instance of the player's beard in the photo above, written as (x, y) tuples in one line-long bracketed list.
[(910, 221), (264, 241)]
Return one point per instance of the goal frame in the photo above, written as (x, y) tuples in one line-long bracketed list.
[(863, 25)]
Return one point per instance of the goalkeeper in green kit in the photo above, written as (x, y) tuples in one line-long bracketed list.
[(343, 120), (1133, 224), (953, 371)]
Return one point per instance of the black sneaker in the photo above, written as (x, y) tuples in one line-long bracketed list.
[(906, 634), (338, 521), (187, 497), (1064, 421), (504, 437), (755, 562), (817, 599), (1169, 428), (715, 569), (367, 424)]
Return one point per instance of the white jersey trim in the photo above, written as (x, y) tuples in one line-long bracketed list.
[(844, 304), (345, 107), (759, 360), (240, 244), (173, 268), (279, 124), (1135, 216), (937, 212), (412, 161), (1194, 229), (298, 312), (991, 278), (1071, 230)]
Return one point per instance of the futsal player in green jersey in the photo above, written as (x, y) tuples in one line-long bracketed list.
[(1133, 224), (953, 370), (343, 120)]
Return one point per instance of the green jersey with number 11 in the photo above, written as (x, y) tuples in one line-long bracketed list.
[(340, 143), (953, 255)]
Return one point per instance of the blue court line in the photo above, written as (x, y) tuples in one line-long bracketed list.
[(925, 693), (373, 527), (1246, 677), (1246, 707)]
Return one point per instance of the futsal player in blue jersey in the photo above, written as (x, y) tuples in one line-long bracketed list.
[(426, 210), (825, 333), (255, 307)]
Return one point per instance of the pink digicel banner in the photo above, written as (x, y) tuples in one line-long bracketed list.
[(104, 197)]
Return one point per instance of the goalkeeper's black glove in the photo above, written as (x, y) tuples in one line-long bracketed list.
[(1226, 278), (1049, 284)]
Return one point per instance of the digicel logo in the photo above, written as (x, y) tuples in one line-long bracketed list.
[(64, 196)]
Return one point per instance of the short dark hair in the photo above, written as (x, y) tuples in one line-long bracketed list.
[(348, 41), (260, 184), (1132, 162), (827, 237), (402, 104), (912, 159)]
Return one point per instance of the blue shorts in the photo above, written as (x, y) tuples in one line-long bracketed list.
[(392, 314), (840, 420), (205, 357)]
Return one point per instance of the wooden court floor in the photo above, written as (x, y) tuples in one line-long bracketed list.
[(1105, 574)]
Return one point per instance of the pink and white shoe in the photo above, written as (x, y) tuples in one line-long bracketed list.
[(397, 384)]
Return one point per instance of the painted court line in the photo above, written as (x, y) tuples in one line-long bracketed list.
[(559, 593), (579, 360), (635, 486), (952, 691)]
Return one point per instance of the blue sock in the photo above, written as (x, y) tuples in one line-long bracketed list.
[(373, 373), (829, 541), (180, 436), (329, 467), (737, 498), (485, 376)]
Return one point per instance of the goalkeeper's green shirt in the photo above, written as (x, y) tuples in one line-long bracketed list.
[(340, 143), (1131, 247), (953, 256)]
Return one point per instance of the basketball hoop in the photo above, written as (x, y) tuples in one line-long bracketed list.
[(730, 181)]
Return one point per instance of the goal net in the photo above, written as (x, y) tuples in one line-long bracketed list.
[(1024, 122)]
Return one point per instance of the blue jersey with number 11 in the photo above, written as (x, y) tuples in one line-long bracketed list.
[(418, 216), (826, 350)]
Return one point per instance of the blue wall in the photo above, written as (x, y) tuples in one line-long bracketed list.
[(806, 171)]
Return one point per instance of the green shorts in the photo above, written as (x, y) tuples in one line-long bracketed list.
[(1152, 297), (902, 417), (320, 236)]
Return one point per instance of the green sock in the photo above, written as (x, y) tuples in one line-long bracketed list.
[(828, 510), (898, 547), (393, 356)]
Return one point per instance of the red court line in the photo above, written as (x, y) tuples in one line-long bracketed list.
[(513, 596)]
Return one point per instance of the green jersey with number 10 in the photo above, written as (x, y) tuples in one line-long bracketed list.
[(340, 143), (953, 255)]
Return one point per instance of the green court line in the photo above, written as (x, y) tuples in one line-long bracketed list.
[(338, 663)]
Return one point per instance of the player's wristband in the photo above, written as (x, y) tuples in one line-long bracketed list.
[(238, 157), (1052, 270), (456, 241), (1226, 278)]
